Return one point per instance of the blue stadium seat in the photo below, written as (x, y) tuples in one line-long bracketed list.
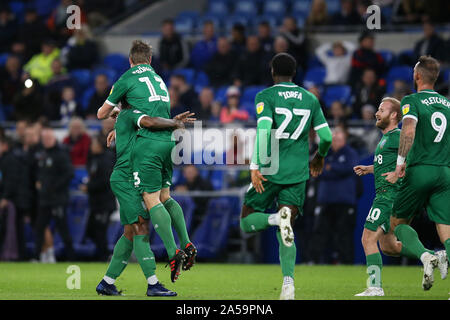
[(184, 25), (388, 56), (333, 6), (250, 108), (274, 7), (217, 179), (250, 92), (301, 20), (3, 58), (314, 62), (220, 94), (82, 77), (272, 20), (241, 18), (87, 95), (404, 73), (301, 7), (77, 217), (45, 7), (340, 93), (117, 61), (18, 8), (211, 236), (245, 7), (214, 18), (190, 14), (187, 73), (315, 76), (446, 74), (80, 176), (201, 81), (218, 7)]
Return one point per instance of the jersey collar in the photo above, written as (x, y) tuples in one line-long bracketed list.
[(427, 91), (285, 84)]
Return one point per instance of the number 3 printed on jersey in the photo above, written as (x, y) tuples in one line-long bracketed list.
[(280, 134)]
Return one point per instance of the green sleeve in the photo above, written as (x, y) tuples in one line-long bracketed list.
[(135, 116), (409, 109), (318, 119), (118, 91), (325, 136), (264, 116)]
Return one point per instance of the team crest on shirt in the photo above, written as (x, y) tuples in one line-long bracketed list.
[(405, 109), (259, 107)]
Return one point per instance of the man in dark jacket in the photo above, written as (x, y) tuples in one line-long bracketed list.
[(173, 51), (101, 199), (431, 44), (220, 66), (335, 213), (55, 172)]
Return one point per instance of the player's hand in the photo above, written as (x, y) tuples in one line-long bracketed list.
[(316, 165), (111, 137), (114, 113), (182, 118), (393, 176), (401, 169), (257, 179), (362, 170)]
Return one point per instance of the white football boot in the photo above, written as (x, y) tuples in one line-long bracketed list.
[(287, 234), (442, 263), (430, 262), (287, 292), (371, 292)]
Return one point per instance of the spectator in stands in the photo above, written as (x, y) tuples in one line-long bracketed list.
[(203, 50), (19, 134), (55, 172), (39, 67), (107, 127), (371, 133), (173, 50), (265, 36), (368, 91), (347, 15), (101, 11), (81, 51), (318, 15), (215, 112), (101, 199), (361, 9), (231, 112), (57, 22), (10, 80), (401, 89), (69, 106), (280, 44), (335, 213), (8, 28), (238, 40), (176, 107), (366, 57), (315, 90), (195, 182), (28, 101), (53, 91), (102, 89), (431, 44), (78, 142), (337, 112), (339, 63), (32, 33), (224, 60), (188, 96), (296, 38), (252, 67), (206, 98)]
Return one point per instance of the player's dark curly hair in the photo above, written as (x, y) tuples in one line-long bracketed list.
[(283, 64)]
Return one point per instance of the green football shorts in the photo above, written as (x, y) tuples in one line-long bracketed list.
[(130, 201), (152, 164), (380, 214), (288, 194), (424, 186)]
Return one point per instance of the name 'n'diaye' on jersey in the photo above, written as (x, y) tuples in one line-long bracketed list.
[(385, 160), (432, 140), (145, 91), (292, 110)]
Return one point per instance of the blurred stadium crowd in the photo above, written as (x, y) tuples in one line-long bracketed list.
[(53, 76)]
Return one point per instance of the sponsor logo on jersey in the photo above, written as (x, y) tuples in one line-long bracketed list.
[(259, 107), (382, 143), (405, 109), (136, 111)]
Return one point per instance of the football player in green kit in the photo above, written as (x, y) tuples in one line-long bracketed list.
[(424, 163), (289, 111), (150, 157), (133, 215)]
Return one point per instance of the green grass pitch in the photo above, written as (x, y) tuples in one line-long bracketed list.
[(217, 281)]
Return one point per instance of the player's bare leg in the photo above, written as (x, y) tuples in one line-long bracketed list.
[(443, 231), (374, 262), (163, 226), (412, 247), (177, 216)]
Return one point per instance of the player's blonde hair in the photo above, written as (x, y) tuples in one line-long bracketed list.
[(395, 107), (140, 52)]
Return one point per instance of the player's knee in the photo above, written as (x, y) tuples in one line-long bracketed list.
[(164, 197), (128, 233)]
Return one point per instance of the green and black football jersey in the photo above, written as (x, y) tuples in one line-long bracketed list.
[(292, 111), (432, 140), (144, 90), (385, 160), (126, 126)]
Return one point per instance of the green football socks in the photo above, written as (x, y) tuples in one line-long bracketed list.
[(374, 266), (121, 254), (163, 225), (144, 255), (287, 257), (254, 222), (177, 216), (411, 245)]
